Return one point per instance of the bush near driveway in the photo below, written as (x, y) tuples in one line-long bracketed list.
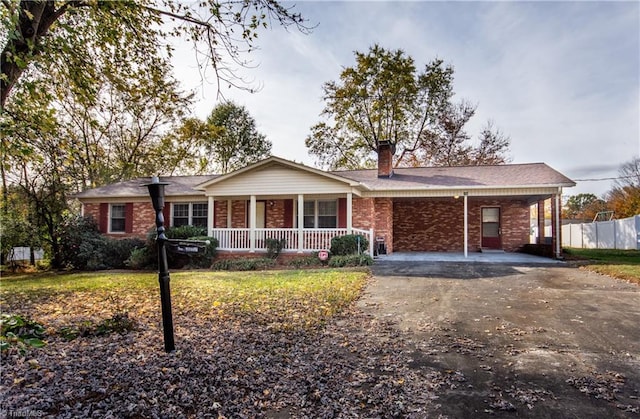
[(349, 244)]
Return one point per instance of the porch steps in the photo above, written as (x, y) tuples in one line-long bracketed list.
[(487, 250)]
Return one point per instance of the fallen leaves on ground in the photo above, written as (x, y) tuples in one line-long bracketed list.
[(297, 356), (229, 368)]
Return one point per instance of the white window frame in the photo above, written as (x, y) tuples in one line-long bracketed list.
[(316, 213), (124, 218), (190, 212)]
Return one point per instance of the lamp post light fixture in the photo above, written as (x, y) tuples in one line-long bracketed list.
[(156, 191)]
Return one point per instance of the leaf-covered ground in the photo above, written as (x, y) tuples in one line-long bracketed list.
[(287, 344)]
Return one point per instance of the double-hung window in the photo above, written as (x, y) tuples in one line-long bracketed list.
[(309, 214), (199, 214), (320, 214), (190, 214), (327, 214), (117, 218)]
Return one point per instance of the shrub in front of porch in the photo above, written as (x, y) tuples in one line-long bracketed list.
[(147, 257), (349, 244), (274, 247), (243, 264), (341, 261)]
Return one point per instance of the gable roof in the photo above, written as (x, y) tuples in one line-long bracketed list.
[(273, 160), (177, 185), (456, 177)]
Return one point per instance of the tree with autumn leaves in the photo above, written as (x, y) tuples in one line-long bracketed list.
[(623, 199), (87, 93), (385, 97)]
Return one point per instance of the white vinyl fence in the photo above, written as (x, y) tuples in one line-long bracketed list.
[(615, 234)]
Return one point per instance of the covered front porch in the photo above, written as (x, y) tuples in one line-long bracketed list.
[(276, 199), (303, 224)]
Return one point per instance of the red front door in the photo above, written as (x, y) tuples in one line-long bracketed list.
[(491, 228)]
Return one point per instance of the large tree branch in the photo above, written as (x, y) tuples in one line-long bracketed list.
[(34, 21), (182, 17)]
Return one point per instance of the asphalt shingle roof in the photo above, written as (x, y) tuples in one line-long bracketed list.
[(407, 178), (178, 185), (501, 176)]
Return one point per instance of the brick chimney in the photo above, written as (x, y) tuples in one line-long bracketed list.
[(386, 151)]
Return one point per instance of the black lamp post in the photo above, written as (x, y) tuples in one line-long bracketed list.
[(156, 191)]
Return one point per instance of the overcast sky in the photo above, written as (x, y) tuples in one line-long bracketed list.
[(562, 79)]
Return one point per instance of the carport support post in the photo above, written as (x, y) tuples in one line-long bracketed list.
[(556, 226), (466, 225)]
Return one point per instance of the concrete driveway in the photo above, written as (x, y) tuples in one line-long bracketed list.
[(520, 341)]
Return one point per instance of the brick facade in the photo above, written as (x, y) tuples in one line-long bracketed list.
[(362, 213), (239, 214), (92, 211), (376, 214), (143, 218), (383, 216), (385, 159), (275, 213), (437, 225), (220, 214), (416, 224)]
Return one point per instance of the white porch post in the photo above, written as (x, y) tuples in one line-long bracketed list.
[(371, 251), (229, 212), (252, 224), (466, 225), (210, 216), (349, 212), (300, 223)]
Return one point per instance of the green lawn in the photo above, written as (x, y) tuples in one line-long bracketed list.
[(283, 299), (624, 264)]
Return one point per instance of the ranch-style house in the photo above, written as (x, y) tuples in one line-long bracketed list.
[(421, 209)]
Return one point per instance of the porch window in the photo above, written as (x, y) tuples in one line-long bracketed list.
[(190, 214), (117, 218), (320, 214), (327, 214), (309, 214)]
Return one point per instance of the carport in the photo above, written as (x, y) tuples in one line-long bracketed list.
[(507, 258), (476, 220)]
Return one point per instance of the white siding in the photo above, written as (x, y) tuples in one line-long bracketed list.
[(277, 180)]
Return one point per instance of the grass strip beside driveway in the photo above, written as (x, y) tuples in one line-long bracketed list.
[(623, 264)]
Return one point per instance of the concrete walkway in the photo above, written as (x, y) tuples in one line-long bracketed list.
[(484, 257)]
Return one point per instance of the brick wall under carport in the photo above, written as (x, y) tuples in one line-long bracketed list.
[(437, 225)]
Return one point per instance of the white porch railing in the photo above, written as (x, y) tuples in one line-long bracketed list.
[(232, 238), (313, 239)]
